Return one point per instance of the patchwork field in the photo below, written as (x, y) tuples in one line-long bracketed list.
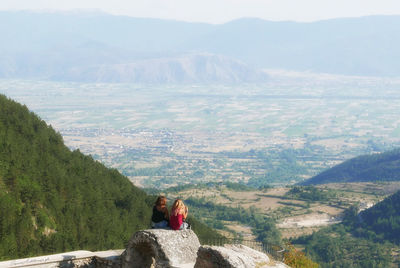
[(295, 216), (276, 133)]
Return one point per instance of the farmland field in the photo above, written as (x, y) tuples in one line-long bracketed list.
[(294, 216), (277, 133)]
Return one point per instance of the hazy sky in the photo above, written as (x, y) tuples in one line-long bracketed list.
[(218, 11)]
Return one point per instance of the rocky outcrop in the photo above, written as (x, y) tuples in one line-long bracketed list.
[(160, 248), (233, 256), (157, 248)]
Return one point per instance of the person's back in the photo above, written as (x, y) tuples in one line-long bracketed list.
[(178, 215), (160, 216)]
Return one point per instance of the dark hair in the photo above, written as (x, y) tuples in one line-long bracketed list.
[(161, 200)]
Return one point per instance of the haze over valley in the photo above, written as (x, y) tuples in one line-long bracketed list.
[(271, 131), (279, 132), (97, 47)]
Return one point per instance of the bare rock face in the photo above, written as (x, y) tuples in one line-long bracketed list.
[(161, 248), (233, 256)]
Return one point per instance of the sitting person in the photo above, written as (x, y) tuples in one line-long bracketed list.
[(160, 216), (178, 216)]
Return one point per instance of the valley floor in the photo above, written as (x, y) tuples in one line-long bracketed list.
[(295, 217)]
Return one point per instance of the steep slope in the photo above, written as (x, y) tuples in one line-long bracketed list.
[(54, 200), (376, 167), (383, 219)]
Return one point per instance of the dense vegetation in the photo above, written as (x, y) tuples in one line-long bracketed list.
[(381, 222), (263, 227), (361, 240), (234, 186), (263, 167), (310, 193), (54, 200), (375, 167), (297, 259), (285, 165), (336, 247)]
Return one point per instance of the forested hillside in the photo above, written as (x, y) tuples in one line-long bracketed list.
[(375, 167), (382, 221), (367, 239), (54, 200)]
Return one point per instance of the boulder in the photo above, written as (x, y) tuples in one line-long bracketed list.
[(161, 248), (233, 256)]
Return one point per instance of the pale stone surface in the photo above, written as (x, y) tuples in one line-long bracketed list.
[(233, 256), (73, 259), (161, 248), (79, 258), (108, 259), (156, 248)]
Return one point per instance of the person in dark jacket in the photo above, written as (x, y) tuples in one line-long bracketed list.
[(160, 217)]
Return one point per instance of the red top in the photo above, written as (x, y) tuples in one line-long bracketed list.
[(175, 222)]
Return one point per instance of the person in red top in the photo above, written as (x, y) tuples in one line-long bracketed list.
[(178, 215)]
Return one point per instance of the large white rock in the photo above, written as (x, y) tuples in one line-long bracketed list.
[(161, 248), (233, 256)]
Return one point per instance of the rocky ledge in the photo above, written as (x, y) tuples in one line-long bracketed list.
[(157, 248)]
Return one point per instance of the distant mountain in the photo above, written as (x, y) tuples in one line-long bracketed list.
[(45, 45), (54, 200), (375, 167), (350, 46), (195, 68)]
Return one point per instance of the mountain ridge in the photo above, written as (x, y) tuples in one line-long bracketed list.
[(364, 46), (192, 68)]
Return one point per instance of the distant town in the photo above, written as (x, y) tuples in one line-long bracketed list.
[(276, 133)]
